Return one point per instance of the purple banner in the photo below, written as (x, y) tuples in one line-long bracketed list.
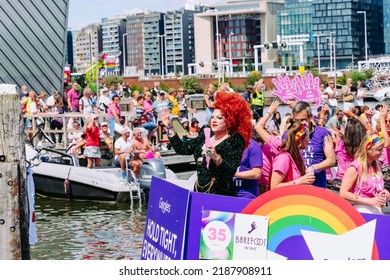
[(200, 203), (382, 231), (165, 222)]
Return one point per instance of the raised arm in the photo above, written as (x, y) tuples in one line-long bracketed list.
[(261, 124), (382, 119)]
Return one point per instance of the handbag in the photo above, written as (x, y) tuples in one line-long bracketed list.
[(348, 98)]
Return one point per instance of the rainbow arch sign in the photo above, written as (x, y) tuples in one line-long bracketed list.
[(303, 223), (295, 210)]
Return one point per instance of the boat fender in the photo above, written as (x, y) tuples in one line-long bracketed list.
[(67, 189)]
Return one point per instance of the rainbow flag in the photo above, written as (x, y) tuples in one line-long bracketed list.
[(110, 63), (67, 74)]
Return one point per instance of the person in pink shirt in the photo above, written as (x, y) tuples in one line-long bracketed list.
[(148, 106), (363, 184), (73, 98), (287, 167), (114, 114), (347, 144), (92, 149)]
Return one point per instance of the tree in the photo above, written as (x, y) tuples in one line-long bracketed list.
[(112, 80), (252, 78), (191, 84)]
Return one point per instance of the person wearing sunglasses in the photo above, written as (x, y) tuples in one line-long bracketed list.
[(333, 97)]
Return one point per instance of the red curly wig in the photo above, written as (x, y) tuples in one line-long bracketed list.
[(236, 112)]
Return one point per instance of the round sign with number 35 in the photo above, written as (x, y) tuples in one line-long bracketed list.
[(217, 235)]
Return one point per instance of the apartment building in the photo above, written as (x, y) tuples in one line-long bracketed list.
[(153, 51), (87, 45), (113, 29), (227, 33)]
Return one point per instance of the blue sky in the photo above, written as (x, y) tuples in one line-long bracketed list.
[(82, 12)]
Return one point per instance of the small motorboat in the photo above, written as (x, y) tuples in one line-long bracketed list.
[(59, 174)]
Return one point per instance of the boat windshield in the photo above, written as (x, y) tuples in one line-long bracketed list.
[(51, 156)]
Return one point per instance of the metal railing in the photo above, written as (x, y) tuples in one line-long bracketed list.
[(65, 118)]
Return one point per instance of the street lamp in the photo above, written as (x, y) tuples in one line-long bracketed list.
[(365, 32), (218, 56), (162, 52), (230, 53), (318, 51), (333, 45), (124, 51)]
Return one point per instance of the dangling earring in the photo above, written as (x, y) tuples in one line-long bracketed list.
[(300, 144)]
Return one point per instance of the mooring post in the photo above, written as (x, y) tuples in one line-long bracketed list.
[(14, 212)]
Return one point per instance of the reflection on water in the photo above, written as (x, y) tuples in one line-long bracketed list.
[(76, 230)]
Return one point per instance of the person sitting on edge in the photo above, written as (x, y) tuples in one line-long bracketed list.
[(123, 146), (142, 148), (194, 128)]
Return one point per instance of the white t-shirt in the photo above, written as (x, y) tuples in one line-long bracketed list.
[(359, 101), (50, 101), (332, 101), (86, 104), (122, 145), (104, 100), (375, 119)]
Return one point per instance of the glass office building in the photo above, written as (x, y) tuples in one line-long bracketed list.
[(386, 25), (340, 20), (295, 20), (239, 33)]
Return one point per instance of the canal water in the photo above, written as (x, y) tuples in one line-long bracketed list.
[(78, 230)]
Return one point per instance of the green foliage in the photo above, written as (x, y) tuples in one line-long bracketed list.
[(343, 79), (315, 72), (191, 84), (164, 87), (215, 84), (112, 80), (252, 78), (240, 88), (356, 76), (136, 87)]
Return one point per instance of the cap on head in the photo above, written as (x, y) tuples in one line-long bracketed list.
[(126, 130), (183, 120), (104, 124), (194, 120), (92, 117)]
